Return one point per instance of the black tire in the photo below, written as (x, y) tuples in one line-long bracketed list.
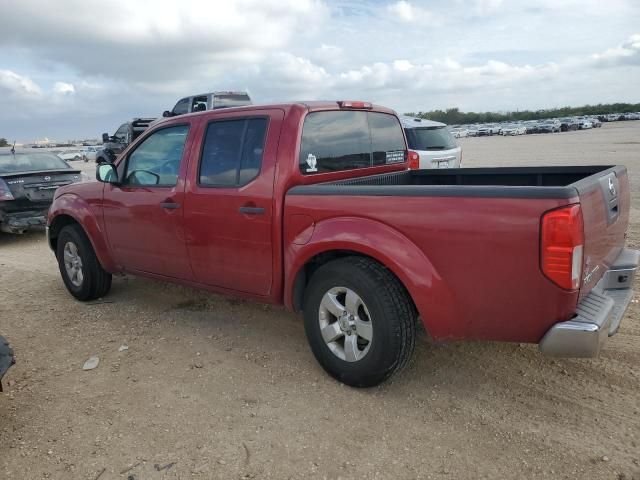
[(96, 282), (393, 320)]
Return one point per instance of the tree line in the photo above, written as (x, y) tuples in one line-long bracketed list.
[(453, 116)]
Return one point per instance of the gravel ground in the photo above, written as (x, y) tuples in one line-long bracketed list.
[(211, 387)]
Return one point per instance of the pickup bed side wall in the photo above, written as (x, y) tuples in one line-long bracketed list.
[(471, 265)]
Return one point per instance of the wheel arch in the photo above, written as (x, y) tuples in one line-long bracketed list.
[(56, 225), (69, 210), (383, 244)]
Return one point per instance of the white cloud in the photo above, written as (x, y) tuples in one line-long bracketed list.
[(400, 78), (63, 88), (409, 13), (144, 42), (486, 7), (626, 54), (328, 54), (18, 85)]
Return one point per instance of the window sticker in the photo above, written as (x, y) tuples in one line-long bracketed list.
[(312, 162), (396, 156)]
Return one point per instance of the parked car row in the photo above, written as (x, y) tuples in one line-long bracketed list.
[(84, 153), (616, 117), (549, 125)]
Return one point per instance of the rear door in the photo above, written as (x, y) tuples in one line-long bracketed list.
[(605, 203), (229, 203)]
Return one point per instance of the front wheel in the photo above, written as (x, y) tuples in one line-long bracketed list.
[(359, 321), (81, 271)]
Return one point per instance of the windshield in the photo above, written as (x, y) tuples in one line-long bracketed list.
[(431, 138), (231, 100), (30, 162)]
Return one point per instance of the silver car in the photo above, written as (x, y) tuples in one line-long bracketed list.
[(433, 142)]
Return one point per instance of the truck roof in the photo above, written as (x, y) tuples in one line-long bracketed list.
[(310, 106), (220, 92)]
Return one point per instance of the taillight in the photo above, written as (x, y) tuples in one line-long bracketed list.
[(414, 160), (5, 193), (562, 245), (355, 104)]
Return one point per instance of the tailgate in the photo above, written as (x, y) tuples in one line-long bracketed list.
[(605, 203)]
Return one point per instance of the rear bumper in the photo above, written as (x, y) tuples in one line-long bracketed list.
[(598, 315), (22, 221)]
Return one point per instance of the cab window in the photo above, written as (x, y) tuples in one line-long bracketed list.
[(232, 152), (181, 107), (156, 161), (122, 133), (199, 104), (344, 140)]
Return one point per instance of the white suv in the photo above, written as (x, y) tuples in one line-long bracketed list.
[(433, 142)]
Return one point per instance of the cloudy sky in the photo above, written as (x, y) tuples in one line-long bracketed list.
[(76, 68)]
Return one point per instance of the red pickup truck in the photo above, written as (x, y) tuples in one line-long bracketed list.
[(312, 205)]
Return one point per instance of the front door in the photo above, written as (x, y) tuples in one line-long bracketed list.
[(229, 203), (144, 215)]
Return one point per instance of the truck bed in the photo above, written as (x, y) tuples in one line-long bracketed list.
[(513, 182), (479, 229)]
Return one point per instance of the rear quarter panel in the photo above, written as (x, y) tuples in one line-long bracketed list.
[(471, 265)]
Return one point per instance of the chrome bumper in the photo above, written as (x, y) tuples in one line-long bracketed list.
[(598, 315)]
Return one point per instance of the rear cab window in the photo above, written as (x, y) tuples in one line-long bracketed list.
[(430, 138), (346, 139), (199, 104)]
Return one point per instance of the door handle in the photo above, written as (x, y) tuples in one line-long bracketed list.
[(252, 210), (170, 205)]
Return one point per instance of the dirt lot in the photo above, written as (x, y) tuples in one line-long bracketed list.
[(217, 388)]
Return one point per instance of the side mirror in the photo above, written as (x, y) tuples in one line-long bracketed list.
[(167, 113), (105, 138), (107, 173)]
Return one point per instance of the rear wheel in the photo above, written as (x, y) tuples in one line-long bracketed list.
[(81, 271), (359, 321)]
